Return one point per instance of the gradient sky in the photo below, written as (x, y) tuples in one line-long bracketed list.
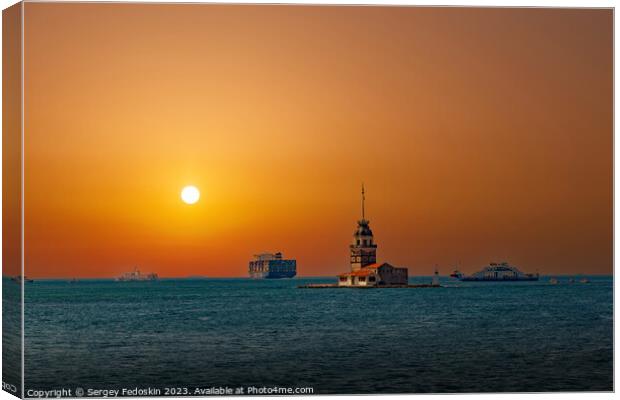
[(481, 135)]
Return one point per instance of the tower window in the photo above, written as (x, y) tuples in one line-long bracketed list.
[(358, 242)]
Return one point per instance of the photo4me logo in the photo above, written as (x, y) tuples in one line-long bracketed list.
[(277, 390)]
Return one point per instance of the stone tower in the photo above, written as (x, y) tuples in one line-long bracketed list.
[(363, 249)]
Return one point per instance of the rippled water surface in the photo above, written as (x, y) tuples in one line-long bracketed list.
[(466, 337)]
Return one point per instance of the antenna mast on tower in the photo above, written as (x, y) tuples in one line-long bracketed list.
[(363, 199)]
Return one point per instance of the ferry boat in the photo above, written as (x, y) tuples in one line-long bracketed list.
[(135, 276), (272, 266), (498, 272)]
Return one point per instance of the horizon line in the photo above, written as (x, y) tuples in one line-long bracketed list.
[(247, 277)]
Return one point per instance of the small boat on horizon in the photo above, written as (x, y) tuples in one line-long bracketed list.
[(136, 276), (18, 279), (584, 280), (553, 281), (456, 274)]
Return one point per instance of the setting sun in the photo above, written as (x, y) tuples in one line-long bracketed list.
[(190, 194)]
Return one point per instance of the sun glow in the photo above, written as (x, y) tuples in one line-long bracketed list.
[(190, 194)]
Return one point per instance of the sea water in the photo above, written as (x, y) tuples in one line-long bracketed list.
[(203, 333)]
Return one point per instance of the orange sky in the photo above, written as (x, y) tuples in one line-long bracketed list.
[(480, 134)]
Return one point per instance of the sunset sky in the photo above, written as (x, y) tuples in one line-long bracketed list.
[(480, 135)]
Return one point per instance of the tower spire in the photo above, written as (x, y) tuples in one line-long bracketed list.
[(363, 199)]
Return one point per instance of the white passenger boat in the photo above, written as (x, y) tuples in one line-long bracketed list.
[(498, 272)]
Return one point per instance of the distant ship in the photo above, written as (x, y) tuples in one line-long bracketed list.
[(18, 279), (495, 272), (456, 274), (272, 266), (136, 275)]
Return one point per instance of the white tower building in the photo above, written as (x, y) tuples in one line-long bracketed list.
[(436, 277)]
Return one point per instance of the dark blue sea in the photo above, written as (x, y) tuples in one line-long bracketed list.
[(464, 337)]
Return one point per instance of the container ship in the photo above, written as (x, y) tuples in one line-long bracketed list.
[(272, 266), (495, 272)]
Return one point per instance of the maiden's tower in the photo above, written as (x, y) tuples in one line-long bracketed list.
[(365, 271)]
